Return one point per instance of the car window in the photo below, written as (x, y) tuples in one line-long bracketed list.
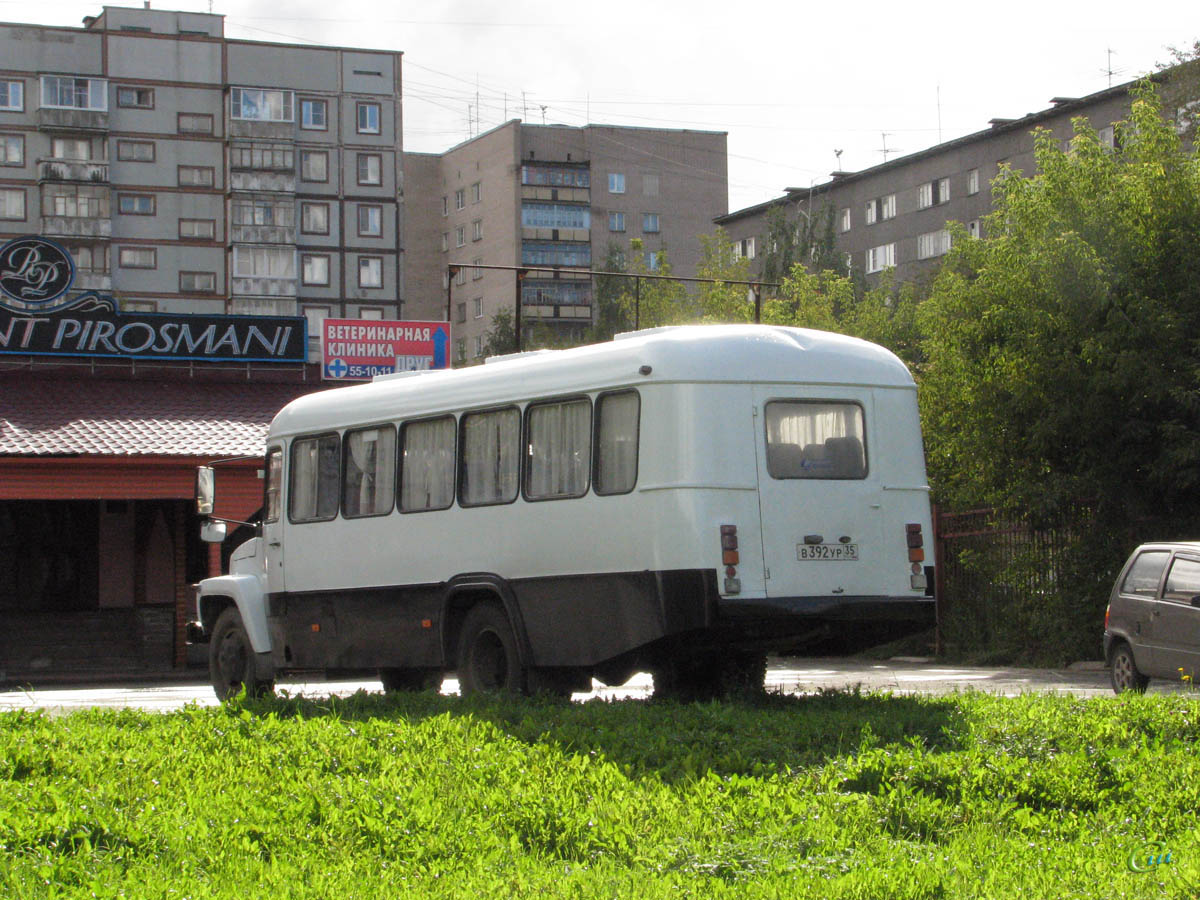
[(1145, 573), (1184, 578)]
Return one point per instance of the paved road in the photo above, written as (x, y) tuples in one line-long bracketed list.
[(791, 675)]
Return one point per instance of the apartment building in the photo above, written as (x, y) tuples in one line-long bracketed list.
[(549, 199), (894, 215)]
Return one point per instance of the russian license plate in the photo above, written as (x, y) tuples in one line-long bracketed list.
[(827, 551)]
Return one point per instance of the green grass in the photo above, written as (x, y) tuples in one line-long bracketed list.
[(837, 795)]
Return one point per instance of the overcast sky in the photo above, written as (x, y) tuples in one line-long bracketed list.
[(791, 82)]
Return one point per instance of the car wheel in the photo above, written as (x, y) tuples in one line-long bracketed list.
[(488, 662), (232, 661), (1124, 671)]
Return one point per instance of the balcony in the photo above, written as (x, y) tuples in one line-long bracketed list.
[(263, 287), (93, 281), (266, 131), (560, 313), (262, 180), (73, 170), (75, 227), (263, 234), (72, 120)]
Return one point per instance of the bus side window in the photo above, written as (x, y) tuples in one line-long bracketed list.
[(616, 456), (274, 483), (316, 473), (489, 464), (559, 449), (427, 464), (367, 486)]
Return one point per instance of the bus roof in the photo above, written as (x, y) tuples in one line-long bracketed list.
[(689, 353)]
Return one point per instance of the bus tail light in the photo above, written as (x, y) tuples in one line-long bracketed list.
[(730, 559), (916, 555)]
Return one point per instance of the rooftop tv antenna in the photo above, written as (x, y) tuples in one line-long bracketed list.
[(885, 151)]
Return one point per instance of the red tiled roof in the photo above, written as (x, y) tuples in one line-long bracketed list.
[(55, 417)]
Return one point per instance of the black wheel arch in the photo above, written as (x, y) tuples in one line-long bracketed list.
[(465, 591)]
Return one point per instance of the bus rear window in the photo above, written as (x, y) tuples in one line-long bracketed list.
[(815, 439)]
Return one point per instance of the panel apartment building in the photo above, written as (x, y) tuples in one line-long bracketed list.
[(894, 215), (553, 196), (193, 179)]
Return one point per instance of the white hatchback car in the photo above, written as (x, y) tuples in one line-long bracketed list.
[(1152, 624)]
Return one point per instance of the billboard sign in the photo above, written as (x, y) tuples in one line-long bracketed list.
[(360, 349)]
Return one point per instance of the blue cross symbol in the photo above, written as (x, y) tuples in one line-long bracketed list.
[(337, 368)]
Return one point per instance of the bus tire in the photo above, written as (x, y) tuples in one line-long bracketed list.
[(407, 680), (232, 662), (488, 661)]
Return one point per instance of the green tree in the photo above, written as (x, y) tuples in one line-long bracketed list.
[(723, 302), (610, 312), (501, 336)]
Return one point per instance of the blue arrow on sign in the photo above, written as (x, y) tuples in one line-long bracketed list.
[(440, 342)]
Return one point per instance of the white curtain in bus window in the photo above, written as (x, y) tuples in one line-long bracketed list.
[(617, 442), (815, 439), (367, 488), (490, 448), (560, 449), (427, 466), (316, 474)]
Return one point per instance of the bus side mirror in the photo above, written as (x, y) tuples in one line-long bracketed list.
[(205, 490), (212, 532)]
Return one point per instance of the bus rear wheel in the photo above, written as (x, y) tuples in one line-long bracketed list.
[(488, 662), (232, 662)]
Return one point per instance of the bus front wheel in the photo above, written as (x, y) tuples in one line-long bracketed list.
[(488, 662), (232, 662)]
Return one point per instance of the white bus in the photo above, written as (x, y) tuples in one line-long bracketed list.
[(678, 500)]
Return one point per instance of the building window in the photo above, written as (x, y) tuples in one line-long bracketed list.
[(460, 350), (477, 192), (196, 176), (135, 151), (264, 262), (194, 123), (650, 223), (650, 185), (90, 259), (314, 218), (12, 96), (616, 221), (460, 235), (135, 204), (312, 115), (461, 311), (460, 198), (556, 176), (138, 258), (744, 249), (135, 98), (368, 118), (197, 282), (71, 148), (370, 272), (933, 193), (259, 105), (460, 276), (556, 253), (880, 208), (445, 241), (12, 203), (314, 165), (197, 229), (314, 269), (616, 183), (12, 150), (370, 168), (445, 206), (479, 307), (652, 260), (264, 212), (277, 157), (880, 258), (139, 306), (973, 228), (973, 181), (59, 92), (477, 230), (370, 221), (1108, 137), (75, 201), (934, 243), (844, 220), (478, 345), (477, 273), (555, 215)]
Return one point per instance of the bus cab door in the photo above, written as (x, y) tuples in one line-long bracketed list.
[(273, 523), (820, 506)]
